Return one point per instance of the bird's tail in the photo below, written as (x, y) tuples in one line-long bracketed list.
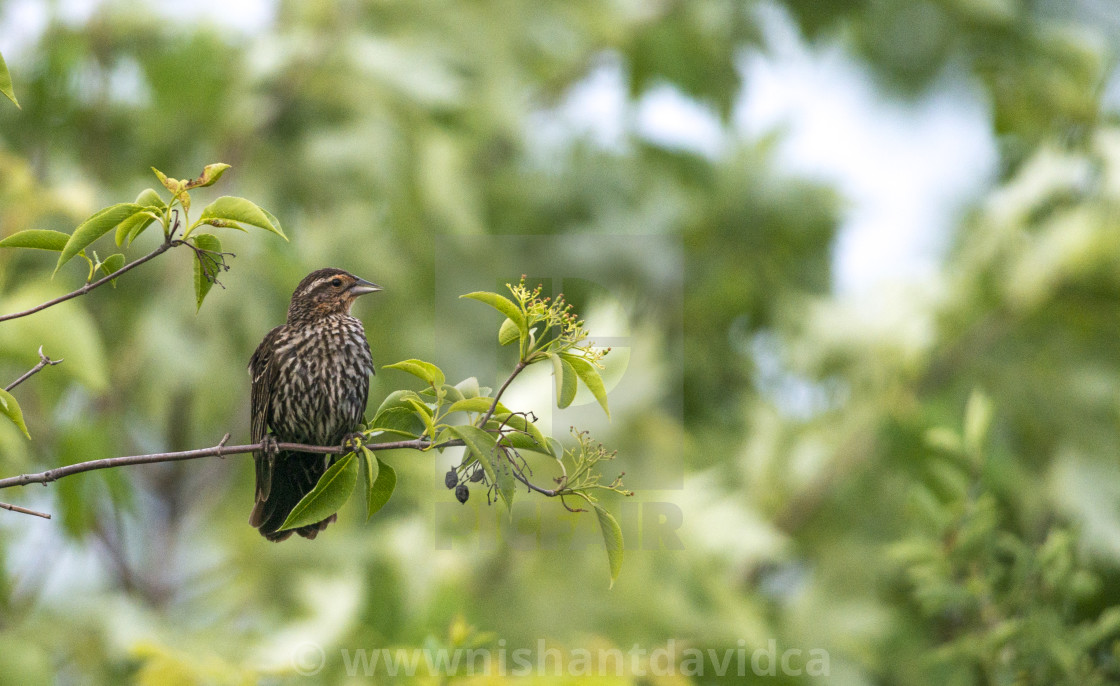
[(280, 486)]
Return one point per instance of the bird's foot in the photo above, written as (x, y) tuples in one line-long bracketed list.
[(353, 442), (270, 446)]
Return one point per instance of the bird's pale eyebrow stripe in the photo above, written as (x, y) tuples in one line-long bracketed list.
[(318, 282)]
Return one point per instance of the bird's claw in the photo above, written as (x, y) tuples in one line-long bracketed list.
[(270, 446), (353, 442)]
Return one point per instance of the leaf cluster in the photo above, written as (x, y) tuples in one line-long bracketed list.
[(496, 439)]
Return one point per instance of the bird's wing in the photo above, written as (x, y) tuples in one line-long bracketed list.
[(262, 371)]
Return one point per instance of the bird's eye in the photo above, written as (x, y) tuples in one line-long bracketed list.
[(336, 282)]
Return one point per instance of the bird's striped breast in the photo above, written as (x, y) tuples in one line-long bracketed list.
[(322, 380)]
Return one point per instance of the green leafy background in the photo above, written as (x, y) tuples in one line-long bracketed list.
[(947, 513)]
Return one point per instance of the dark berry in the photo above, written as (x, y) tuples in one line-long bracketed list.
[(451, 478), (462, 493)]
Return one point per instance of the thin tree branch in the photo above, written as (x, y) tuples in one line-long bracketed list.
[(498, 396), (164, 247), (43, 362), (24, 510), (219, 450)]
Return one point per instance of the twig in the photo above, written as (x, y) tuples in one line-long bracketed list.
[(164, 247), (219, 450), (550, 492), (24, 510), (43, 362), (498, 396)]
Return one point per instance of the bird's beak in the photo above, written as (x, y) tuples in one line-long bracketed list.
[(361, 287)]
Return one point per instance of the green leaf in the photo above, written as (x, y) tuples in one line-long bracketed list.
[(173, 185), (589, 375), (332, 491), (977, 419), (507, 484), (204, 263), (565, 381), (503, 305), (520, 441), (10, 408), (275, 222), (369, 467), (519, 423), (40, 239), (468, 387), (95, 227), (480, 444), (133, 226), (399, 420), (381, 489), (943, 438), (478, 404), (425, 370), (396, 399), (508, 333), (229, 208), (6, 82), (449, 392), (423, 410), (111, 265), (612, 539), (210, 174)]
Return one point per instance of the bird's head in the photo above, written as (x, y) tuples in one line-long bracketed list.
[(325, 292)]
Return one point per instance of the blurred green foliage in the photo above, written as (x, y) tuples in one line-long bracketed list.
[(914, 541)]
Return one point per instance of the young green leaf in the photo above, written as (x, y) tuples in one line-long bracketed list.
[(173, 185), (205, 266), (275, 222), (503, 305), (111, 265), (332, 491), (977, 420), (507, 484), (40, 239), (478, 404), (399, 420), (95, 227), (210, 174), (132, 227), (612, 539), (520, 441), (229, 208), (468, 387), (369, 467), (396, 399), (589, 375), (382, 487), (565, 381), (520, 424), (6, 82), (480, 444), (508, 333), (10, 408), (450, 393), (425, 370)]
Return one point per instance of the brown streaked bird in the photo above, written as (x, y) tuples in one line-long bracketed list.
[(310, 384)]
